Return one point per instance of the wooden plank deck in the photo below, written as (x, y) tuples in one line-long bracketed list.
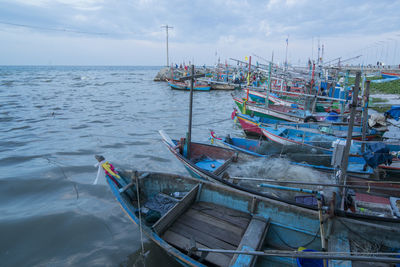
[(211, 226), (235, 217)]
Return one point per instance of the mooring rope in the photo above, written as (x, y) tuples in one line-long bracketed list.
[(140, 215), (58, 164)]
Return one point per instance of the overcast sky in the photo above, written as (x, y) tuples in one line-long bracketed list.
[(122, 32)]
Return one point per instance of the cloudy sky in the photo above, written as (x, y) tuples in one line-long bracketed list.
[(122, 32)]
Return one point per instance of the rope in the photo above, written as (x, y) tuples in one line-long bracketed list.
[(354, 232), (395, 125), (65, 176), (289, 246), (140, 215), (58, 164)]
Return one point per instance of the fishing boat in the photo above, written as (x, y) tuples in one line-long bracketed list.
[(184, 86), (250, 126), (290, 136), (204, 224), (322, 142), (222, 86), (357, 175), (261, 148), (177, 85), (390, 75), (274, 99), (283, 113), (208, 162)]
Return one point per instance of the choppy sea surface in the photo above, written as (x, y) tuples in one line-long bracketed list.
[(54, 119)]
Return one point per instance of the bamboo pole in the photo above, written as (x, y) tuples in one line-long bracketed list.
[(327, 185), (345, 159), (342, 107), (377, 257), (321, 226), (269, 85), (365, 115)]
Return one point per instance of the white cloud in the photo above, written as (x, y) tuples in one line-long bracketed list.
[(231, 26), (265, 28)]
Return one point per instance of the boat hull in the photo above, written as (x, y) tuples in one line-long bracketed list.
[(237, 210)]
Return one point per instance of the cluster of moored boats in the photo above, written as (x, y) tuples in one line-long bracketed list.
[(219, 218)]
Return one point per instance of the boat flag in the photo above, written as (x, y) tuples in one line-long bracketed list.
[(246, 58)]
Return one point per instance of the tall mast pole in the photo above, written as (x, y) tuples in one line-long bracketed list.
[(166, 30), (287, 44)]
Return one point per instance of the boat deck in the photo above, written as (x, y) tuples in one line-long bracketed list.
[(210, 226)]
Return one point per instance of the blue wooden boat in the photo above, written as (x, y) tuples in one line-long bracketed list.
[(204, 224), (255, 148), (250, 125), (296, 137), (210, 163), (290, 136)]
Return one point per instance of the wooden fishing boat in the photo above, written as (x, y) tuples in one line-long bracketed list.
[(177, 85), (204, 224), (290, 136), (357, 176), (250, 126), (222, 86), (207, 162), (321, 106), (390, 75), (283, 113), (184, 86), (260, 148), (296, 137)]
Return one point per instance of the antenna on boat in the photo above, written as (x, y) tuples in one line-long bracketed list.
[(166, 30)]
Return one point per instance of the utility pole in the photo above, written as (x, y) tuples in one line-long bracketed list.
[(166, 30)]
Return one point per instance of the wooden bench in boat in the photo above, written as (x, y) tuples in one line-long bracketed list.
[(212, 165), (224, 166), (168, 219), (208, 225), (252, 240)]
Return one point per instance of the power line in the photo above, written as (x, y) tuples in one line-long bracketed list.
[(50, 29)]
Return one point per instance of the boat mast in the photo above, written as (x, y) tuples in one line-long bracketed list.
[(189, 134), (345, 160)]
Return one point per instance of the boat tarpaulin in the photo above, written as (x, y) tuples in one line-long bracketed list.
[(376, 154), (394, 113)]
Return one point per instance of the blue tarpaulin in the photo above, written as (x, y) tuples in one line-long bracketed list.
[(377, 153), (394, 113)]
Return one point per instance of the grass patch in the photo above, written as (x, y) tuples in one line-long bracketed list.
[(378, 100), (381, 108), (392, 87)]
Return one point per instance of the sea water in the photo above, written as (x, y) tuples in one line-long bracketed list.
[(54, 119)]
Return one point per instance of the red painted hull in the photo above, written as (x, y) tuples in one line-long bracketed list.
[(249, 127)]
